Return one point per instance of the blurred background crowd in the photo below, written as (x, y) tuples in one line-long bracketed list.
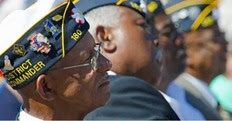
[(194, 50)]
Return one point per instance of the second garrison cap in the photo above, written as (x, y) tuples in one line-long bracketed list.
[(155, 7), (138, 5), (191, 15)]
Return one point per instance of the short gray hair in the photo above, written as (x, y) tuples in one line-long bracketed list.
[(108, 16)]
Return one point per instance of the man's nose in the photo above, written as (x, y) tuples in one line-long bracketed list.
[(103, 64)]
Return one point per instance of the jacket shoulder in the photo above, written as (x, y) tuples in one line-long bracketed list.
[(133, 98)]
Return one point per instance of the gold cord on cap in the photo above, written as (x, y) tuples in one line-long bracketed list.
[(187, 3), (62, 28), (203, 15)]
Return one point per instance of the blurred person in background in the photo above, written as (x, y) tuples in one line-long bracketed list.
[(170, 43), (205, 50), (172, 61), (221, 85)]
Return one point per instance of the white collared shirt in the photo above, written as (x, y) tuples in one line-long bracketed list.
[(23, 116), (111, 73), (174, 105)]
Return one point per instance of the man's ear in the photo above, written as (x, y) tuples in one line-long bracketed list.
[(44, 88), (105, 35)]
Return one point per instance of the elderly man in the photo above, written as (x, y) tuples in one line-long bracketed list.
[(48, 56), (205, 50), (128, 43)]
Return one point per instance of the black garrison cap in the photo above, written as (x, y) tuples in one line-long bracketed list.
[(137, 5), (29, 50), (190, 15)]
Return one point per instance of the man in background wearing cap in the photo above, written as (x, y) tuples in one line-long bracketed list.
[(205, 49), (172, 62), (128, 43), (51, 61)]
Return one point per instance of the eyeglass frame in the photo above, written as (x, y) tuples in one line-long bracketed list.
[(93, 62)]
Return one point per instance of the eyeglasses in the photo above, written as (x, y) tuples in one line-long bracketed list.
[(93, 62)]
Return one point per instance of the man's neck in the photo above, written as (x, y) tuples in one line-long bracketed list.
[(52, 111), (205, 78), (38, 110), (149, 77)]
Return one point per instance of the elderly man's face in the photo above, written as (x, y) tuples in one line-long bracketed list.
[(135, 46), (82, 86)]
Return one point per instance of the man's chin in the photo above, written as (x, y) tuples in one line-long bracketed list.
[(104, 99)]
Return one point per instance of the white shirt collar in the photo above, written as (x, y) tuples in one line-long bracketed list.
[(23, 116), (111, 73), (174, 104), (202, 87)]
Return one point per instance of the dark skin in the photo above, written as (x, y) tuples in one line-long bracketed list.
[(172, 48), (228, 71), (205, 53), (129, 46), (173, 64), (69, 94)]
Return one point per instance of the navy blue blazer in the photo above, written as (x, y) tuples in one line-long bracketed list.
[(9, 104), (134, 99)]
